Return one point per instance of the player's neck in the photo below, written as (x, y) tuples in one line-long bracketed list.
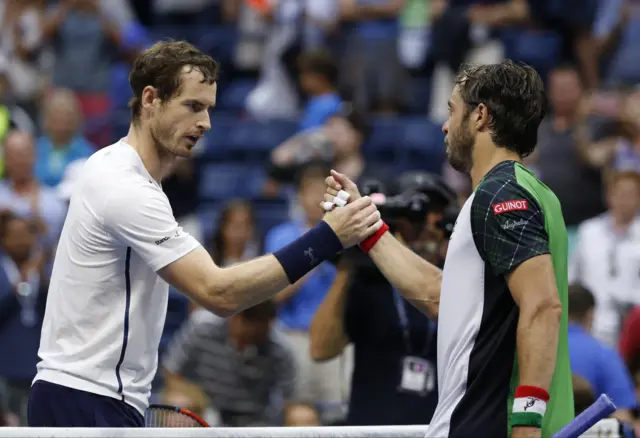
[(485, 160), (157, 164)]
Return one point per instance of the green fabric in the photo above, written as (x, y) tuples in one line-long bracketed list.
[(526, 419), (560, 408)]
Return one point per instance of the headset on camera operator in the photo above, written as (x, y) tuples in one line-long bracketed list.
[(394, 375)]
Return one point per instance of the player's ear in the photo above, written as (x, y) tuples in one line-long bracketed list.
[(483, 118), (149, 97)]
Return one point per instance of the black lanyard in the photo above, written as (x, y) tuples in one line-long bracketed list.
[(404, 323)]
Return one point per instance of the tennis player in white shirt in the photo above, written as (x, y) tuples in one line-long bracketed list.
[(121, 247)]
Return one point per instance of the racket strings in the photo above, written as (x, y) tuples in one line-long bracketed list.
[(161, 417)]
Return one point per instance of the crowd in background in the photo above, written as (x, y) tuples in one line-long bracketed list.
[(360, 86)]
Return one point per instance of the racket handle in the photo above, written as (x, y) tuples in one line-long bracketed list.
[(601, 409)]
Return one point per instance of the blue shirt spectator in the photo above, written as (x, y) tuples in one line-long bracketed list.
[(386, 27), (51, 161), (61, 143), (318, 76), (601, 366), (319, 109), (297, 312)]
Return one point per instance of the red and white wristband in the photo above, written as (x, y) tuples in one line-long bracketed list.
[(529, 406), (340, 200)]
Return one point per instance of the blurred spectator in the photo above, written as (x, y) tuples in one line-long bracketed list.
[(301, 415), (242, 364), (413, 40), (12, 116), (394, 373), (321, 22), (373, 78), (186, 395), (558, 159), (85, 40), (361, 308), (583, 394), (318, 76), (630, 338), (338, 143), (598, 364), (299, 302), (21, 47), (185, 12), (621, 150), (276, 95), (23, 291), (607, 256), (235, 240), (62, 141), (21, 193)]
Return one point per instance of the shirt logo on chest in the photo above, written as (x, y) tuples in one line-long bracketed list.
[(507, 206)]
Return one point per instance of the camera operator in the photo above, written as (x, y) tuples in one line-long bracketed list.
[(394, 374)]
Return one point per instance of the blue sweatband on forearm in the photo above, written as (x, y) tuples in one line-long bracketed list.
[(308, 251)]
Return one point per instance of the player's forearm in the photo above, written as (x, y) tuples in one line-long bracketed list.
[(328, 337), (244, 285), (537, 341), (416, 279)]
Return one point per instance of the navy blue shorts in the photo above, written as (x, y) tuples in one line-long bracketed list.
[(52, 405)]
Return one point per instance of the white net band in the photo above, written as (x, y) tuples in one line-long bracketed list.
[(608, 428)]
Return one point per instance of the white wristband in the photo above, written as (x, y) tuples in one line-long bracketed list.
[(529, 405)]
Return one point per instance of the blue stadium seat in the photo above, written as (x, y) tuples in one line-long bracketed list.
[(209, 216), (233, 96), (382, 145), (270, 212), (177, 313), (248, 140), (539, 48), (224, 180), (423, 145), (420, 95), (219, 42)]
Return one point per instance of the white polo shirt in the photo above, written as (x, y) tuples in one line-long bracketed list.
[(106, 305)]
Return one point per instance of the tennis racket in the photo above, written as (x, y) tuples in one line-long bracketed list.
[(600, 410), (170, 416)]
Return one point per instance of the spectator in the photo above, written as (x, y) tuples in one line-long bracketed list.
[(62, 141), (374, 79), (235, 234), (187, 396), (559, 159), (12, 116), (23, 291), (85, 42), (242, 364), (630, 338), (21, 193), (21, 47), (298, 302), (598, 364), (318, 76), (394, 372), (605, 259), (583, 394), (301, 415)]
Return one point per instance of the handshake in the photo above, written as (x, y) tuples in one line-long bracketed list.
[(357, 218)]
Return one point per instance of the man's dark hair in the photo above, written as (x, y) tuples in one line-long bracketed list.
[(263, 312), (581, 301), (515, 97), (320, 62), (314, 170), (161, 66)]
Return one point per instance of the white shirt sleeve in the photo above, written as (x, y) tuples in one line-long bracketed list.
[(141, 218), (575, 261)]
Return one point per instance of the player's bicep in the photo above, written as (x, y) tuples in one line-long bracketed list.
[(508, 226), (141, 218), (533, 283)]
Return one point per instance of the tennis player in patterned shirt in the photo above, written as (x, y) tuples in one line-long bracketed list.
[(501, 300)]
